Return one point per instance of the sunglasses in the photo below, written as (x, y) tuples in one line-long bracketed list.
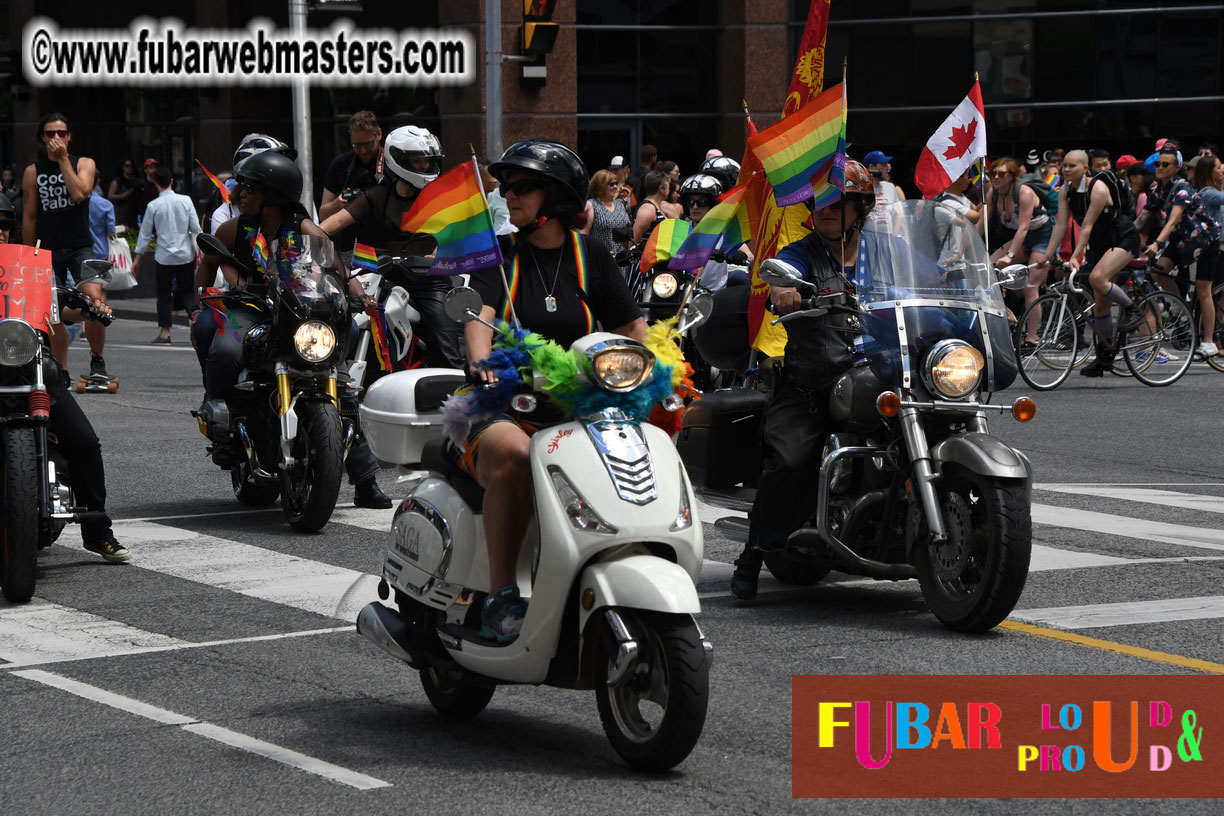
[(248, 187), (52, 133), (521, 187), (360, 145), (6, 225), (999, 174), (1166, 164)]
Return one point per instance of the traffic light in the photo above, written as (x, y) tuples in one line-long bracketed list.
[(539, 32)]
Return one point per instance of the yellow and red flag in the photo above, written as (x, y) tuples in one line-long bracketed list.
[(779, 226)]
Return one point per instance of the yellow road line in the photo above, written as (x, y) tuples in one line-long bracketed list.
[(1120, 648)]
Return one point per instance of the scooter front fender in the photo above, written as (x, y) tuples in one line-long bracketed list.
[(982, 454), (644, 582)]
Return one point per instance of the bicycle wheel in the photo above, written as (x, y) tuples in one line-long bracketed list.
[(1159, 349), (1081, 306), (1044, 365)]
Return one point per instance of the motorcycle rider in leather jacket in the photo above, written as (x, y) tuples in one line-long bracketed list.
[(818, 351)]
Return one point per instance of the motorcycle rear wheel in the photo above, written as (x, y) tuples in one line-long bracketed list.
[(973, 582), (19, 547), (460, 701), (655, 716), (310, 488), (251, 491)]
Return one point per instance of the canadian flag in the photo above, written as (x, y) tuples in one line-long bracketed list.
[(959, 142)]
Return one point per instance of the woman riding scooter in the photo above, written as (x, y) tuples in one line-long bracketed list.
[(561, 290)]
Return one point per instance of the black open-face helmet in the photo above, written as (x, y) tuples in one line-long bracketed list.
[(274, 172), (703, 189), (565, 172)]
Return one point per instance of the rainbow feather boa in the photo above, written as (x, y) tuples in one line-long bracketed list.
[(519, 354)]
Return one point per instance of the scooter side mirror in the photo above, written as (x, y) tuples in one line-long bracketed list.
[(781, 274), (696, 311), (96, 270), (1014, 277), (463, 305)]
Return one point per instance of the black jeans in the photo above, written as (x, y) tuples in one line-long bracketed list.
[(793, 433), (79, 446), (438, 331), (180, 275)]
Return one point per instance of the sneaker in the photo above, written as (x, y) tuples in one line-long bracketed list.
[(747, 572), (1131, 319), (369, 494), (1206, 350), (97, 367), (1028, 348), (501, 619), (110, 550)]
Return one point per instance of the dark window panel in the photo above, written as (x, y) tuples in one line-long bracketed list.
[(1065, 61), (1126, 57), (1003, 56), (940, 65), (607, 72), (679, 72), (607, 12)]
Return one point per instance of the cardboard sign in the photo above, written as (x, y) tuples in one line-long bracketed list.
[(27, 285)]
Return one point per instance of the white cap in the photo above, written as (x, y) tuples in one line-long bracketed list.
[(617, 163)]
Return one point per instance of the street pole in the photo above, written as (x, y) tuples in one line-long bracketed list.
[(493, 77), (301, 108)]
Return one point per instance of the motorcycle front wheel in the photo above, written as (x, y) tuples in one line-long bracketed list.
[(251, 491), (973, 580), (654, 716), (310, 488), (19, 549)]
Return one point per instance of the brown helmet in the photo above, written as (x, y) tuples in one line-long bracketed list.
[(858, 180)]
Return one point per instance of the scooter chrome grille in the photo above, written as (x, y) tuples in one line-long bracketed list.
[(624, 453)]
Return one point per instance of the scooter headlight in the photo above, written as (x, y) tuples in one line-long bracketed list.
[(664, 285), (953, 369), (18, 342), (580, 514), (622, 368), (314, 341)]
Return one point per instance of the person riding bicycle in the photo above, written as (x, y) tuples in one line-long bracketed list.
[(77, 440), (818, 351), (269, 189), (545, 186), (1107, 242)]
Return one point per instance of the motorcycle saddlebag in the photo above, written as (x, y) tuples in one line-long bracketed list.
[(720, 442), (403, 411)]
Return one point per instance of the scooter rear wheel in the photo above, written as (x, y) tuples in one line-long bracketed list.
[(654, 716), (460, 701)]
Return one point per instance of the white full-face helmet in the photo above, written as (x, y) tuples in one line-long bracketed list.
[(412, 142), (254, 143)]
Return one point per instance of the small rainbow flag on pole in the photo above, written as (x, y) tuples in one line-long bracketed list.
[(724, 227), (259, 248), (806, 150), (453, 209), (663, 244), (365, 258), (220, 185)]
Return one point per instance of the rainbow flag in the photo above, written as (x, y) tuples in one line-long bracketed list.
[(664, 243), (1052, 178), (453, 209), (259, 248), (365, 258), (220, 185), (724, 227), (806, 150)]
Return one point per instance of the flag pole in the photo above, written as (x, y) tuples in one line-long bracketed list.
[(501, 267), (982, 185), (842, 271)]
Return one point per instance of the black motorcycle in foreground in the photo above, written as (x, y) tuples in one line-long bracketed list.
[(38, 498), (279, 431), (912, 484)]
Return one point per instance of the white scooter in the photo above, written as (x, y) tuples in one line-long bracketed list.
[(608, 567)]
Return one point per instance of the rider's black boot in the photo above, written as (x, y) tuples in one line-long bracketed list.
[(747, 571), (369, 494), (1102, 363)]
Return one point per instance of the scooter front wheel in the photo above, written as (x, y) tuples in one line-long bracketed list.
[(19, 544), (654, 715), (460, 701)]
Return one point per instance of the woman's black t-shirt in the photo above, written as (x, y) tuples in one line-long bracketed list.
[(607, 296)]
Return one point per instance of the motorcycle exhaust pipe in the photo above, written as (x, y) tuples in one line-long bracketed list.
[(849, 560), (388, 631), (249, 447), (350, 436)]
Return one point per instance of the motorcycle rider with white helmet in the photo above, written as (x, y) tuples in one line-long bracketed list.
[(412, 157)]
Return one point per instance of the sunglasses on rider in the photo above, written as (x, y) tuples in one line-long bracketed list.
[(250, 187), (6, 224), (53, 133), (1165, 164), (522, 186)]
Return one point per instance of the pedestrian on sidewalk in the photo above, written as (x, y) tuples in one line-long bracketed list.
[(171, 218)]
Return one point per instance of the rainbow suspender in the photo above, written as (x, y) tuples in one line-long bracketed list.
[(580, 263)]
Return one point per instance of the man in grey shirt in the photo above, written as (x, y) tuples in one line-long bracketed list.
[(172, 219)]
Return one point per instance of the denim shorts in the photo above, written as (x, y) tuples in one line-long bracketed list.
[(1037, 239)]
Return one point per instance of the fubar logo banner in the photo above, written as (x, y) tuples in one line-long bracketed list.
[(1007, 736)]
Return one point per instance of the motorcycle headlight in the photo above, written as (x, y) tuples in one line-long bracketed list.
[(622, 368), (18, 342), (664, 285), (953, 369), (314, 341)]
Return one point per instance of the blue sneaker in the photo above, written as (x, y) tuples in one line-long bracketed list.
[(501, 619)]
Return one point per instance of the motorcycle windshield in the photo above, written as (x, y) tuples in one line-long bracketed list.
[(923, 276), (307, 269)]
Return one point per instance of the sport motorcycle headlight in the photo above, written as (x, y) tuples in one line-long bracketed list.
[(664, 285), (314, 341), (622, 368), (953, 369), (18, 342)]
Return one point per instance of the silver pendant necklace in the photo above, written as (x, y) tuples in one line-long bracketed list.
[(550, 302)]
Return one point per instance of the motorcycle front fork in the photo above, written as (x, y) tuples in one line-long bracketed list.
[(924, 474), (288, 417)]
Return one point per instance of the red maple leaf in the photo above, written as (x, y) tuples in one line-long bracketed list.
[(962, 140)]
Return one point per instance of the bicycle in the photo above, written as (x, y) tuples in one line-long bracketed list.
[(1064, 333), (1157, 335)]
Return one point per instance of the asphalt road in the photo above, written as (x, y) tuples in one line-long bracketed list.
[(240, 693)]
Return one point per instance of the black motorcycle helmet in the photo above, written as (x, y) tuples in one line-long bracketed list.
[(703, 188), (566, 174), (274, 172), (724, 168)]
